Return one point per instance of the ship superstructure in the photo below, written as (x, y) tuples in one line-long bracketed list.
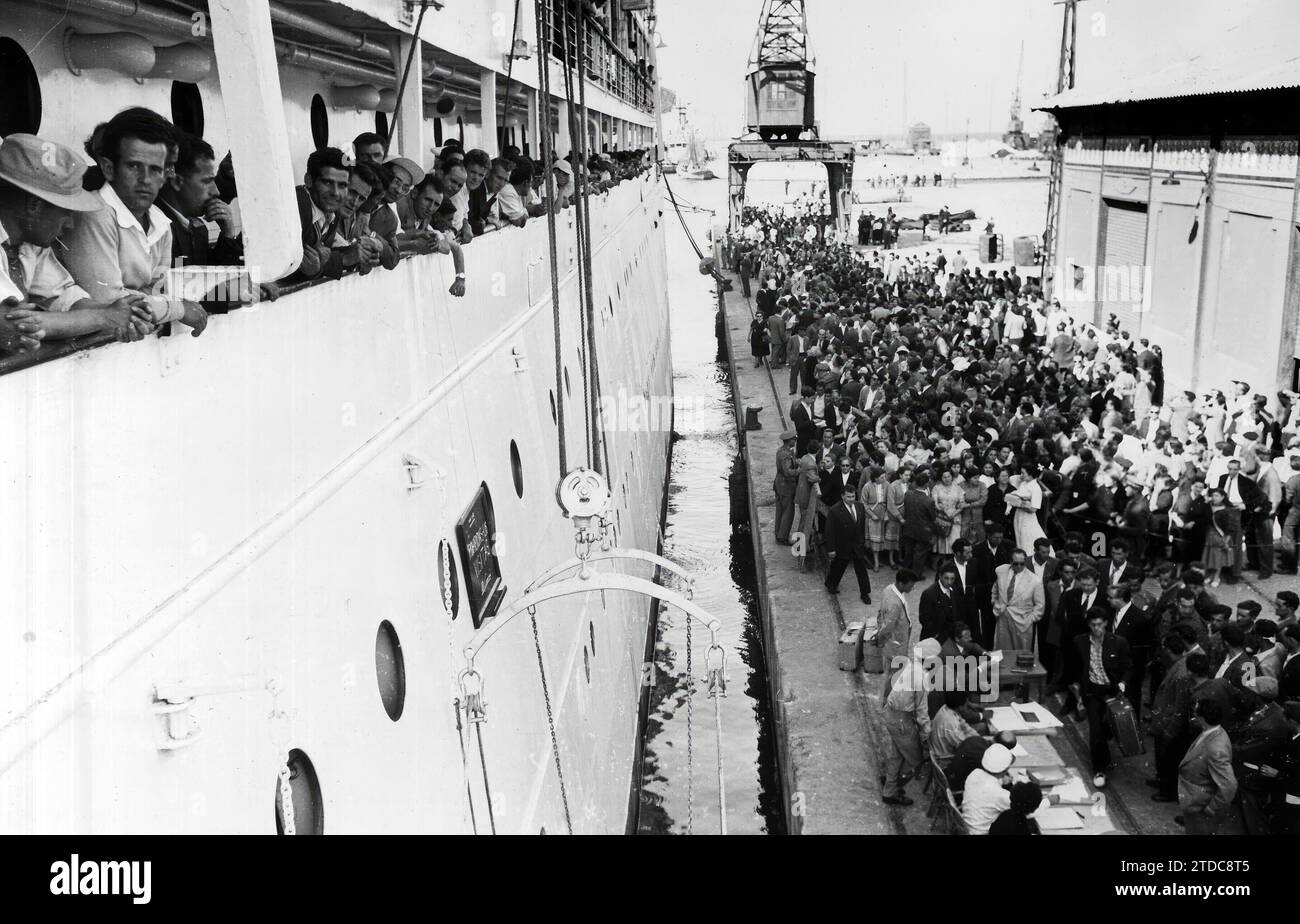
[(241, 571)]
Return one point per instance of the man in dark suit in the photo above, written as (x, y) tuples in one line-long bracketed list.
[(1116, 571), (987, 556), (1107, 671), (189, 199), (939, 604), (920, 522), (1072, 614), (1288, 680), (846, 542), (965, 608), (1133, 624), (1244, 498), (1051, 633), (801, 416)]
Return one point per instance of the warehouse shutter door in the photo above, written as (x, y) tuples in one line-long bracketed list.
[(1122, 273)]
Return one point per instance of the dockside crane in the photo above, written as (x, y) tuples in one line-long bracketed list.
[(779, 79), (779, 110)]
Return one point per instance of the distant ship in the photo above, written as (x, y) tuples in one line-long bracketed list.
[(250, 577)]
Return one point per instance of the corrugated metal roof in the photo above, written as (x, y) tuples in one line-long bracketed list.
[(1198, 76)]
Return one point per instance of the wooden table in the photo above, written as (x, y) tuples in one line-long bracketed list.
[(1011, 676)]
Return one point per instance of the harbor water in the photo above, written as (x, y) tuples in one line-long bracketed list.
[(680, 772)]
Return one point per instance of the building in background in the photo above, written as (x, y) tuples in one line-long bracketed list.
[(918, 137), (1179, 216)]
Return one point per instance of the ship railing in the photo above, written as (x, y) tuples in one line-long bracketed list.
[(53, 350)]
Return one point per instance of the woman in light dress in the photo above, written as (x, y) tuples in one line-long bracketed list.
[(1142, 393), (1023, 503), (975, 494), (1213, 414), (948, 501), (875, 490)]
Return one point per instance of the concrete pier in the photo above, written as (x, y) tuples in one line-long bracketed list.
[(828, 721)]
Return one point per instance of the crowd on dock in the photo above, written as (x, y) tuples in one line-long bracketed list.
[(90, 240), (947, 420)]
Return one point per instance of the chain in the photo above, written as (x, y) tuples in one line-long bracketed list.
[(287, 821), (550, 724), (690, 739), (717, 690), (464, 766)]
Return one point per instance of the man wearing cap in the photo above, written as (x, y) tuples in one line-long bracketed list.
[(402, 175), (40, 192), (784, 485), (907, 723), (563, 174), (126, 246), (984, 797), (1257, 745)]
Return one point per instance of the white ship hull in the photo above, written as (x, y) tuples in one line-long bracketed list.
[(236, 509), (236, 515)]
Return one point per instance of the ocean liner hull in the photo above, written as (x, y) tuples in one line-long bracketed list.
[(204, 536)]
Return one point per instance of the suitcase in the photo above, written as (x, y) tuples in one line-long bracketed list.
[(873, 658), (1124, 724), (850, 647)]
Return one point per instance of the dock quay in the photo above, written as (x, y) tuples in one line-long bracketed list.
[(828, 722)]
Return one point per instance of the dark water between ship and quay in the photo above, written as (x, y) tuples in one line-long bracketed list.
[(680, 767)]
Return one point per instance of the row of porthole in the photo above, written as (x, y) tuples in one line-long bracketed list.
[(24, 106), (390, 675)]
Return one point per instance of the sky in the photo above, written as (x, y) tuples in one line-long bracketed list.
[(960, 55)]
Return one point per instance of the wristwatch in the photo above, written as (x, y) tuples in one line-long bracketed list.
[(460, 275)]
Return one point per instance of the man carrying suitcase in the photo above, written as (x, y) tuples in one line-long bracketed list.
[(1107, 669)]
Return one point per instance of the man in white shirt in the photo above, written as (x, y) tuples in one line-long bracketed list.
[(504, 204), (126, 247), (984, 798), (907, 723)]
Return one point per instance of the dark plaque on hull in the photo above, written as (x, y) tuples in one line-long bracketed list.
[(476, 532)]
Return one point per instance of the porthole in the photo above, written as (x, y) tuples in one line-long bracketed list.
[(517, 468), (304, 791), (568, 386), (320, 122), (20, 90), (390, 670), (448, 579), (554, 416), (187, 108), (381, 124), (586, 663), (591, 629)]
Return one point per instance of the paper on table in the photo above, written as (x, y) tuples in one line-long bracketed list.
[(1057, 819), (1072, 792), (1036, 716), (1019, 751)]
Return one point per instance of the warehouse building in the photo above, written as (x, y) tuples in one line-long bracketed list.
[(1178, 214)]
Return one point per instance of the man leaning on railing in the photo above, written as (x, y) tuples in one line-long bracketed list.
[(40, 192), (125, 247)]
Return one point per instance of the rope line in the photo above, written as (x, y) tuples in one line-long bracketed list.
[(544, 99)]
